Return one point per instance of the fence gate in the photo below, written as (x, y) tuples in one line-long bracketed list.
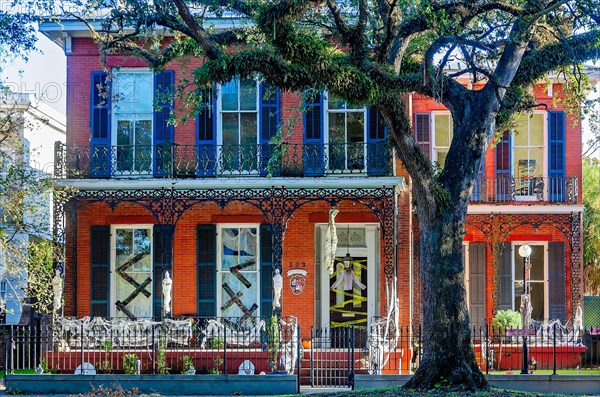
[(332, 357)]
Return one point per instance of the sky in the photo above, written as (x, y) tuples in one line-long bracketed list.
[(44, 75)]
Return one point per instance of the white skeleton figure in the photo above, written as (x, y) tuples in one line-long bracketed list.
[(57, 289), (330, 242), (245, 337), (277, 287), (167, 286)]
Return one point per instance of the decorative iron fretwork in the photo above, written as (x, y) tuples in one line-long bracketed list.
[(497, 227)]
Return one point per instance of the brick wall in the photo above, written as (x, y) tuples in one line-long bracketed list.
[(298, 246)]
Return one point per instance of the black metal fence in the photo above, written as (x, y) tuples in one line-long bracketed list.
[(194, 345), (337, 354), (232, 346), (209, 160)]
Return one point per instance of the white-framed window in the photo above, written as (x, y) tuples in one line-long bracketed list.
[(538, 279), (441, 123), (345, 134), (131, 271), (238, 109), (132, 120), (529, 154), (238, 278)]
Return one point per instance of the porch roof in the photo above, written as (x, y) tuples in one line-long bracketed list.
[(327, 182)]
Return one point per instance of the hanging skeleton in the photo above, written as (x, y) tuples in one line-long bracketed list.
[(330, 242), (348, 278)]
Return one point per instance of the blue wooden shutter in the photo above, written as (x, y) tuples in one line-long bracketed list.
[(557, 268), (556, 155), (266, 271), (423, 133), (163, 261), (377, 152), (206, 139), (504, 288), (477, 266), (164, 89), (269, 121), (207, 270), (100, 149), (503, 168), (100, 271), (314, 150)]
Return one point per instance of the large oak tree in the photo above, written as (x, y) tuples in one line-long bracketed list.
[(374, 52)]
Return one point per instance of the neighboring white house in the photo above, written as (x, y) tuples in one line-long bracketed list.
[(41, 126)]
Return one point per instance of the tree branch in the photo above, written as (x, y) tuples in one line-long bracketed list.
[(197, 32)]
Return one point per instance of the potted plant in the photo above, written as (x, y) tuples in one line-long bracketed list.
[(503, 320), (188, 366)]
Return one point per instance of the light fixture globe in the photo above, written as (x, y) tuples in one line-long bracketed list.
[(525, 251), (347, 260)]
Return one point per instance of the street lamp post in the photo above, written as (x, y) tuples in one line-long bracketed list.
[(525, 309)]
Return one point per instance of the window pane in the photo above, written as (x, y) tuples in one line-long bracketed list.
[(442, 130), (229, 248), (356, 127), (248, 247), (123, 245), (125, 139), (125, 130), (249, 128), (141, 250), (229, 95), (521, 133), (124, 92), (144, 89), (248, 95), (248, 294), (536, 131), (441, 156), (143, 132), (337, 133), (230, 129), (537, 155), (143, 145)]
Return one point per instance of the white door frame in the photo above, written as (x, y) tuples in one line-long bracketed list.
[(371, 252)]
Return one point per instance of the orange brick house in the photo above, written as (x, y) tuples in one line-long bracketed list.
[(220, 206)]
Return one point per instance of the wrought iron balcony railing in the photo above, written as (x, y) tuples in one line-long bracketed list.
[(509, 189), (198, 161)]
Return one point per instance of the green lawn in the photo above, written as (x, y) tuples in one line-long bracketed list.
[(20, 372), (558, 372)]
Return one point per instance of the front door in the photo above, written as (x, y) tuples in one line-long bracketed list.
[(343, 302)]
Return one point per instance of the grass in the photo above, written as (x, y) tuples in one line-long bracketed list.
[(399, 392), (558, 372), (20, 372)]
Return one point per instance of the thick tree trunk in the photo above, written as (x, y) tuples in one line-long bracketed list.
[(448, 356)]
